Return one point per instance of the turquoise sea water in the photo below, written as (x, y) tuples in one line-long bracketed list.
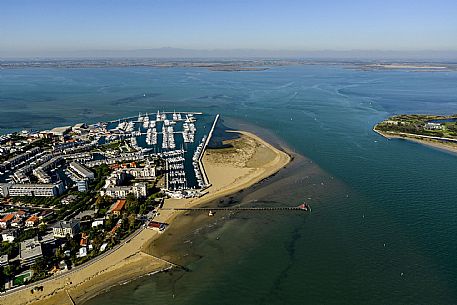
[(384, 224)]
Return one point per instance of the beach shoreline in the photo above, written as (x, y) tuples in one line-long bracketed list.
[(132, 260), (420, 140)]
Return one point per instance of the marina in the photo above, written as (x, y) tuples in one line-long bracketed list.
[(178, 137)]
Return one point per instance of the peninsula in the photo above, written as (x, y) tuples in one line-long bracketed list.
[(439, 131), (121, 184)]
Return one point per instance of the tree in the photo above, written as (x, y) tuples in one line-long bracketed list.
[(131, 204), (12, 249), (42, 227), (97, 241), (8, 271), (131, 220), (143, 208), (40, 267), (71, 244), (28, 234), (109, 223), (59, 253), (102, 201)]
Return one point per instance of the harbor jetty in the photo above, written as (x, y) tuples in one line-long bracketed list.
[(302, 207)]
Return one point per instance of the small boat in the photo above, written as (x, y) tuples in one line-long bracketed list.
[(210, 213), (305, 207)]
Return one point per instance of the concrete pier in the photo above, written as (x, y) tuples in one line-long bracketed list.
[(200, 163), (239, 209)]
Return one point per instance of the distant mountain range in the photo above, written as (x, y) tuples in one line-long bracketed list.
[(167, 52)]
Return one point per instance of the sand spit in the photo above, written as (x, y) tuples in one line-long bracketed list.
[(441, 145)]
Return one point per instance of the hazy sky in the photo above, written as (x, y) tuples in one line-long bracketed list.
[(61, 25)]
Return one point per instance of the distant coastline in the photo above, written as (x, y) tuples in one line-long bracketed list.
[(226, 64), (408, 66)]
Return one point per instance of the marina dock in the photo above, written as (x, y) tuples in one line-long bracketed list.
[(164, 112)]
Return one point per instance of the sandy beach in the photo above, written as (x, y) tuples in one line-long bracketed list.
[(446, 146), (232, 169), (248, 161)]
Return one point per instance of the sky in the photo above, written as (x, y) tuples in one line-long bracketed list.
[(40, 26)]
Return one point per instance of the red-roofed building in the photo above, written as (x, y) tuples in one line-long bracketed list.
[(83, 241), (5, 222), (114, 229), (118, 207), (159, 226), (114, 166), (31, 221)]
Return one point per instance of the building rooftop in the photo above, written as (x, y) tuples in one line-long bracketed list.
[(65, 224), (103, 246), (118, 206), (33, 185), (60, 131), (47, 239), (158, 225), (86, 214), (82, 251), (82, 169), (69, 199), (83, 241), (30, 248), (7, 217), (80, 125), (3, 259), (10, 232), (33, 218)]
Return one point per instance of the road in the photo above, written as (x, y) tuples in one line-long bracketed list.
[(77, 268)]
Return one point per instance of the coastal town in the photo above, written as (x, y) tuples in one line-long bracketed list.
[(72, 193)]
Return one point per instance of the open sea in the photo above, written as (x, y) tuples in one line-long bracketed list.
[(383, 229)]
